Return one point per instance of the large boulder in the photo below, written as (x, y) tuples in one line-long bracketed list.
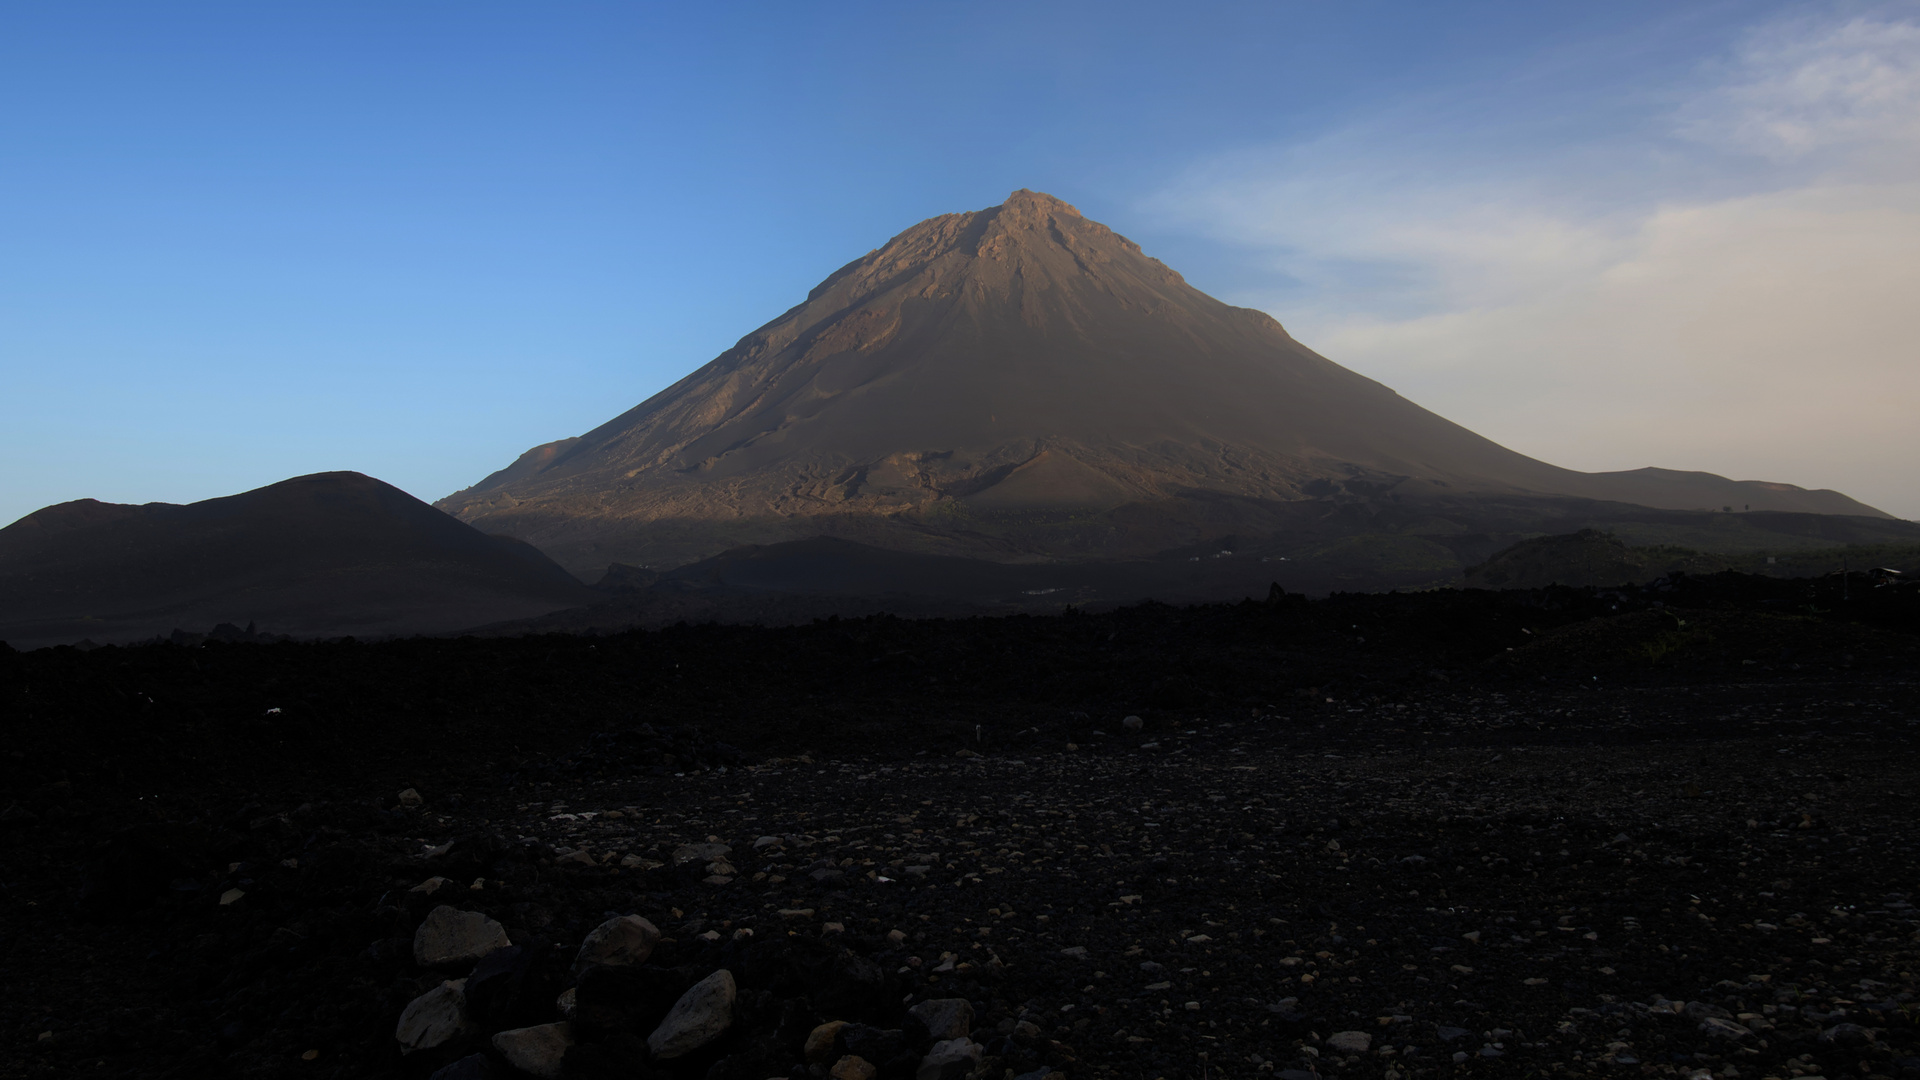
[(536, 1051), (623, 942), (471, 1067), (434, 1019), (498, 992), (945, 1018), (613, 999), (701, 1015), (821, 1042), (950, 1059), (451, 938)]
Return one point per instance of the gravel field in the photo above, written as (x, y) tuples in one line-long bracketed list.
[(1702, 864)]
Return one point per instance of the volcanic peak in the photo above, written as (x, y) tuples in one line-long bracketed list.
[(984, 367)]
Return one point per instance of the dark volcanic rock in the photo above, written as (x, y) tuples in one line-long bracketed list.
[(609, 1000)]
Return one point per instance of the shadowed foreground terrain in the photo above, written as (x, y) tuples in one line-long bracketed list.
[(1561, 832)]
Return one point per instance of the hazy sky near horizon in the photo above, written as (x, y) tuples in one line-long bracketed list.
[(241, 242)]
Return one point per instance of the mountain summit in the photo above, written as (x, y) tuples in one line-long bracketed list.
[(1017, 382)]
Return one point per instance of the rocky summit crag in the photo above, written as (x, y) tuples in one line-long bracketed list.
[(1023, 383)]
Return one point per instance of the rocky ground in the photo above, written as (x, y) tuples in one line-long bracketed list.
[(1545, 834)]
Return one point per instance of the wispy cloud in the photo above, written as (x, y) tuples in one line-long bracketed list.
[(1725, 286), (1800, 87)]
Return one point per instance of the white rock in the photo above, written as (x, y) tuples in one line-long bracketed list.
[(622, 942), (1724, 1029), (950, 1059), (449, 937), (1350, 1042), (700, 853), (434, 1019), (564, 1003), (701, 1015), (536, 1050), (946, 1018), (410, 797)]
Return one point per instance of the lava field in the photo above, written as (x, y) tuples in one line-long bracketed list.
[(1650, 832)]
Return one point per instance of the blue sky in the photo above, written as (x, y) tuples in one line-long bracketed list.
[(242, 242)]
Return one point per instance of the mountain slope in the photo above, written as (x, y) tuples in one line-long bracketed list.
[(1016, 382), (323, 555)]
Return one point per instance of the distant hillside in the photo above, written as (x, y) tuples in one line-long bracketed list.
[(1593, 557), (331, 554)]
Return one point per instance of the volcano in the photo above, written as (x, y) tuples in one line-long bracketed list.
[(1023, 384)]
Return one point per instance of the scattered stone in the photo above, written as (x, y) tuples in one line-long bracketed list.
[(699, 853), (1133, 723), (449, 937), (576, 858), (231, 897), (701, 1015), (1724, 1029), (950, 1059), (853, 1067), (820, 1042), (434, 1019), (1350, 1042), (430, 886), (620, 942), (410, 798), (1078, 952), (889, 1049), (1697, 1011), (537, 1051), (945, 1018), (1846, 1035), (564, 1003)]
